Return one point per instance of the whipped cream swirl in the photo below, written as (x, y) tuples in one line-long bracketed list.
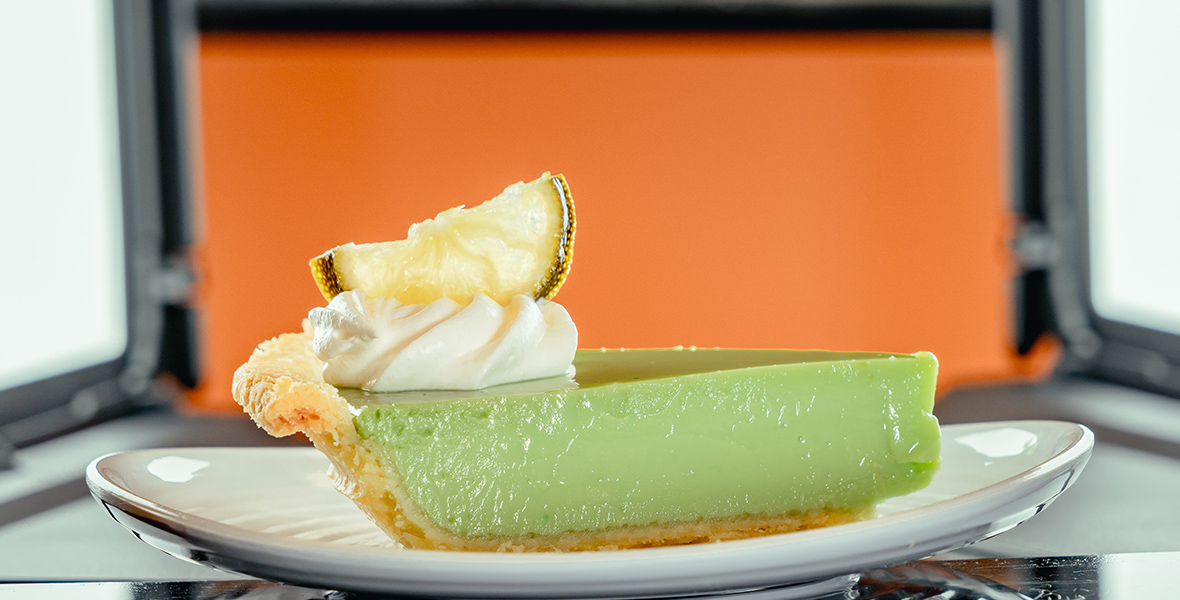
[(382, 345)]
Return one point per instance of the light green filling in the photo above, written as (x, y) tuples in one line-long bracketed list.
[(651, 436)]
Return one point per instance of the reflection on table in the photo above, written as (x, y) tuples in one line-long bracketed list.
[(1111, 577)]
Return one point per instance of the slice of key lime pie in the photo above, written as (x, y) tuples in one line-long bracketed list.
[(446, 389)]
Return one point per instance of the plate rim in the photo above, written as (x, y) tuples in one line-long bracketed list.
[(417, 570)]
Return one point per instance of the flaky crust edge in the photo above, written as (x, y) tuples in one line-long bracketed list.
[(283, 390)]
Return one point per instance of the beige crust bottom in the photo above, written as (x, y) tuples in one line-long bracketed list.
[(282, 388)]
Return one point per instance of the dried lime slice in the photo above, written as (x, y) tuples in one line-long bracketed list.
[(520, 242)]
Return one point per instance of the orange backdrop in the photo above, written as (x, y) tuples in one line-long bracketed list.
[(746, 190)]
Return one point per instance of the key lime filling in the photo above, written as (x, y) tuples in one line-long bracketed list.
[(642, 437)]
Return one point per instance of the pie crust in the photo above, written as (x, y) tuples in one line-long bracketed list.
[(282, 388)]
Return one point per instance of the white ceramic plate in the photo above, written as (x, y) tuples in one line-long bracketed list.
[(272, 513)]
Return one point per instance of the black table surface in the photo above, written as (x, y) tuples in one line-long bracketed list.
[(1109, 577)]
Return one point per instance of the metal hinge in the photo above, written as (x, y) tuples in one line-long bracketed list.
[(1035, 247), (173, 283)]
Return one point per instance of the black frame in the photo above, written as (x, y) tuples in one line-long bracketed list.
[(152, 146), (590, 15), (1051, 188)]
